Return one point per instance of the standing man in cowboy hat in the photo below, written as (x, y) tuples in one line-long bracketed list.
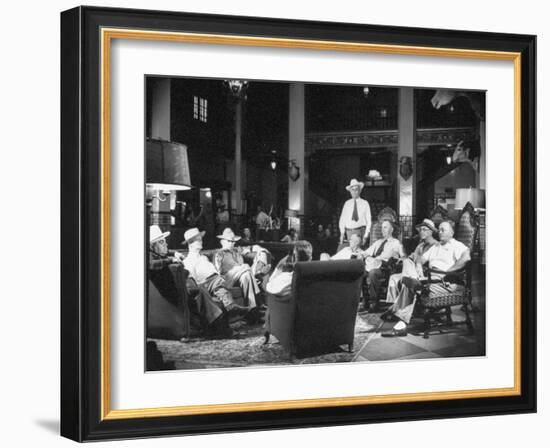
[(230, 264), (205, 273), (355, 216)]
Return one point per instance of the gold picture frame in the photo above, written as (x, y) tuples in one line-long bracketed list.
[(103, 27)]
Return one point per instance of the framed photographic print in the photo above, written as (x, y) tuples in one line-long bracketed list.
[(274, 224)]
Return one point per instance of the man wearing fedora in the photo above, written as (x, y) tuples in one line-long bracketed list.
[(205, 313), (398, 293), (355, 216), (205, 273), (229, 263)]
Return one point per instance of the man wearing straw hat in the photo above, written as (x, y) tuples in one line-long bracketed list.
[(230, 264), (204, 310), (355, 216), (398, 293), (205, 274)]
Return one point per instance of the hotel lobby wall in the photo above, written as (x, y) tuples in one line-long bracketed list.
[(463, 176), (338, 169)]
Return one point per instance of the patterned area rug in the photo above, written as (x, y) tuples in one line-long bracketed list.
[(247, 348)]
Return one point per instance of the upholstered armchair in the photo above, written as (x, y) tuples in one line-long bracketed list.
[(168, 313), (319, 314)]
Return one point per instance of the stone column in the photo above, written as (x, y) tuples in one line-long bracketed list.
[(160, 113), (480, 174), (407, 145), (238, 156), (296, 152)]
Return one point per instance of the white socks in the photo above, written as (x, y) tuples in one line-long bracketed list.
[(400, 325)]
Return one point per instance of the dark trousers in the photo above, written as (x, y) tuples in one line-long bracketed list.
[(374, 280)]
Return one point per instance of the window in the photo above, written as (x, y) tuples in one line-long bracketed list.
[(200, 109)]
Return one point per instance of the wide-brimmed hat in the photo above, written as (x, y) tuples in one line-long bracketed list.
[(191, 235), (355, 183), (228, 235), (427, 223), (156, 234)]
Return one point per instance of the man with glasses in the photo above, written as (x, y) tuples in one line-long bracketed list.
[(446, 256), (398, 293)]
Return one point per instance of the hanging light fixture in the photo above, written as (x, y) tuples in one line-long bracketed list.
[(237, 87)]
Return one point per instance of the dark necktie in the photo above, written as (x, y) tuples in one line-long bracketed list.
[(355, 215), (381, 248)]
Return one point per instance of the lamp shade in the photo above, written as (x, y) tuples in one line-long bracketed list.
[(167, 165), (474, 196)]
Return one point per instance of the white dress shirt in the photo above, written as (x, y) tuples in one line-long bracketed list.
[(363, 211), (346, 254), (392, 249), (443, 256), (199, 267)]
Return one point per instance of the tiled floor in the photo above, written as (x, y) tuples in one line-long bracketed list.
[(454, 341)]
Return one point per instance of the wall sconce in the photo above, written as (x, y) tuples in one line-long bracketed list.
[(273, 164), (449, 160), (366, 91), (293, 170)]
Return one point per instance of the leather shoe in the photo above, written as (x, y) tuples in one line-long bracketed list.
[(394, 333), (388, 316), (237, 311)]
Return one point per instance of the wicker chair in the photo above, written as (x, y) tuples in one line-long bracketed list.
[(465, 232), (435, 306), (438, 214), (386, 214)]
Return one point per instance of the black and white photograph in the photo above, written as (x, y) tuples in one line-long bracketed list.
[(293, 223)]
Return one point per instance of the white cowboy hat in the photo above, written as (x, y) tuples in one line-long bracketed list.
[(228, 235), (355, 183), (427, 223), (156, 234), (192, 234)]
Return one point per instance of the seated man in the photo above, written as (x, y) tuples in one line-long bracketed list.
[(203, 272), (280, 282), (352, 251), (444, 257), (206, 314), (229, 263), (398, 293), (377, 257), (247, 237)]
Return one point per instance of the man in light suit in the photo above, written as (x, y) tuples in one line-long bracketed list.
[(355, 216)]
